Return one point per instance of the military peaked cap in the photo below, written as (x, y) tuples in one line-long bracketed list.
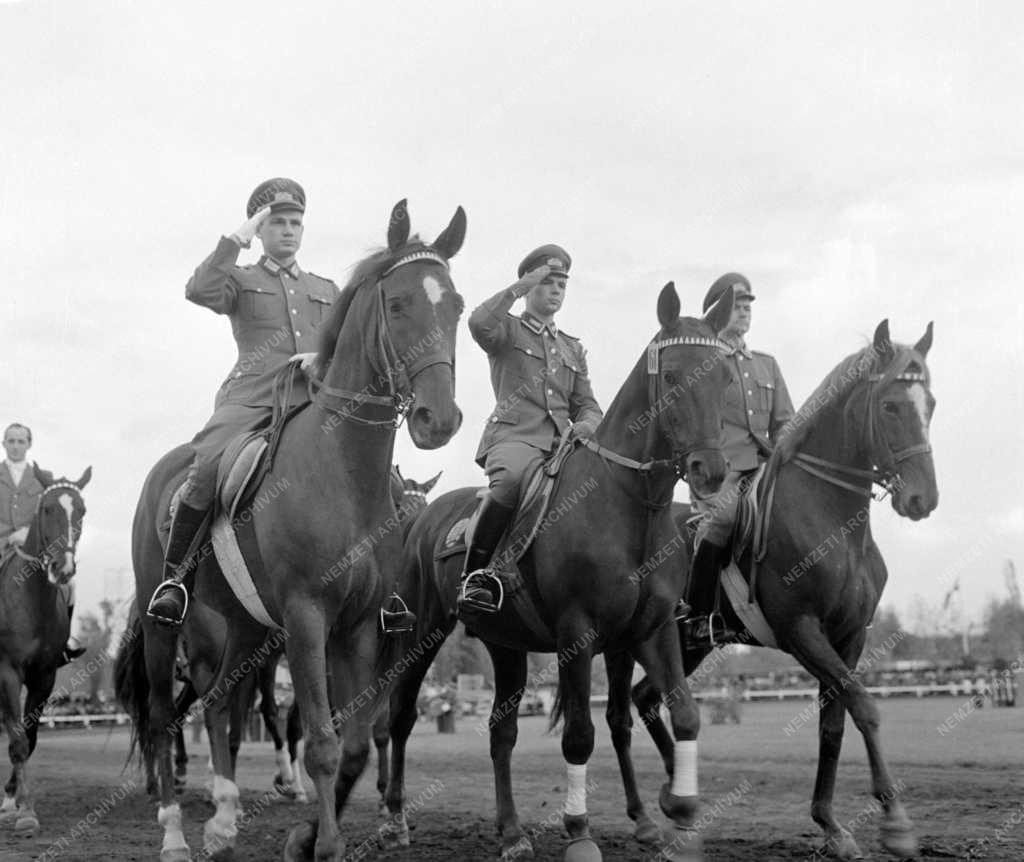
[(279, 193), (739, 282), (547, 255)]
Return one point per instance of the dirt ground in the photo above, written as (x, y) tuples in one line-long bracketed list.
[(962, 772)]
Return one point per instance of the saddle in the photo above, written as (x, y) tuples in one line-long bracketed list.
[(528, 520)]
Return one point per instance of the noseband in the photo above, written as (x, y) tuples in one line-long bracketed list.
[(398, 375)]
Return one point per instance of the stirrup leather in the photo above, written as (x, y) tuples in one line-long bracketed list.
[(483, 579), (397, 621), (170, 583)]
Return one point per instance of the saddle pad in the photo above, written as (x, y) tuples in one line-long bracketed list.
[(747, 513), (232, 563), (749, 612)]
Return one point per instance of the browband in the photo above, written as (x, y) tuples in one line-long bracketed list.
[(655, 347), (421, 254)]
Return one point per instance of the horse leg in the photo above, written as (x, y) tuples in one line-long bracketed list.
[(661, 657), (182, 704), (403, 714), (160, 647), (221, 830), (647, 700), (307, 660), (284, 779), (381, 737), (509, 684), (574, 658), (810, 645), (17, 806), (39, 688), (620, 723), (293, 734)]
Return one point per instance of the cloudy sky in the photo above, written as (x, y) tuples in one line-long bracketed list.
[(855, 165)]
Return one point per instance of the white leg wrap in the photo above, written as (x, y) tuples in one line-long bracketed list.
[(576, 795), (221, 829), (170, 819), (684, 776), (9, 804), (284, 767)]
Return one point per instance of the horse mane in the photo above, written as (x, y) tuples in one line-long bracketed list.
[(837, 387), (366, 271)]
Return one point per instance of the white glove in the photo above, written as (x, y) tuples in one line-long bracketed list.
[(250, 227), (306, 360), (529, 281), (17, 538)]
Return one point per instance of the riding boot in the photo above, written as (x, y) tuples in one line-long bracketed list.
[(70, 653), (481, 588), (170, 600), (702, 588)]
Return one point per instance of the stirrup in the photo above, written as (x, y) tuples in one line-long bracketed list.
[(683, 612), (397, 622), (170, 583), (471, 594)]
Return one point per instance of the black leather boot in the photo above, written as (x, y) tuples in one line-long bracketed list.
[(70, 653), (707, 567), (481, 589), (170, 600)]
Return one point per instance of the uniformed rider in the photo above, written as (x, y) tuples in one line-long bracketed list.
[(757, 406), (542, 388), (275, 308)]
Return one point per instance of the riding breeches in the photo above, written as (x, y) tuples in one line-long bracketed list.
[(227, 422), (718, 510), (506, 464)]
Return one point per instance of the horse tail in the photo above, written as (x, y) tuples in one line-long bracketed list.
[(131, 686)]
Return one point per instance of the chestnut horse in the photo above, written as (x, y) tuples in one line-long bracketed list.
[(329, 551)]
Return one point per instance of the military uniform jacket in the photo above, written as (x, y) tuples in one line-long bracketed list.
[(274, 313), (17, 502), (757, 405), (538, 373)]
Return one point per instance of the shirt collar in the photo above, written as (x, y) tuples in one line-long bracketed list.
[(274, 268), (738, 348), (537, 325)]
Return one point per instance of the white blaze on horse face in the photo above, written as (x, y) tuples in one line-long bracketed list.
[(919, 398), (69, 549), (434, 289)]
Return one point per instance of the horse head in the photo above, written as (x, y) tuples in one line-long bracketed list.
[(687, 381), (899, 408), (399, 314), (57, 528)]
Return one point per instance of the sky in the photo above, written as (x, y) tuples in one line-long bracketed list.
[(855, 164)]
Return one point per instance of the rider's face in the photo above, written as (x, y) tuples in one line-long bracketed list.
[(16, 444), (281, 234), (546, 298)]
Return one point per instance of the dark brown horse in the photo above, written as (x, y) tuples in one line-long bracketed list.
[(329, 546), (594, 571), (822, 575), (35, 581)]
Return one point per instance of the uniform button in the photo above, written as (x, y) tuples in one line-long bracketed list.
[(554, 350), (551, 392), (297, 333), (749, 392), (746, 373), (751, 412), (290, 290), (529, 351), (294, 311), (494, 418)]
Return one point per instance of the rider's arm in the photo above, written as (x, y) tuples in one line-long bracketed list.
[(782, 406), (490, 323), (584, 410), (213, 283)]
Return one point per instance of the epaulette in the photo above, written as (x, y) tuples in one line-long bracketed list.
[(567, 335), (321, 277), (762, 353)]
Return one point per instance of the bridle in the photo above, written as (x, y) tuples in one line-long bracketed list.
[(393, 370), (655, 395), (886, 473), (45, 559)]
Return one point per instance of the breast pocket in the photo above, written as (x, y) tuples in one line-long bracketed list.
[(765, 396), (318, 308), (259, 303), (528, 361)]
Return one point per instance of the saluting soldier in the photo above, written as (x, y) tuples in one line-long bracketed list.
[(275, 308), (757, 406), (20, 491), (540, 381)]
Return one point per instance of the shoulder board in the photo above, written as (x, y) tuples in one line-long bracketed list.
[(762, 353), (567, 335), (321, 277)]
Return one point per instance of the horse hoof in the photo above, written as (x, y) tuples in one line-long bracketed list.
[(582, 850), (25, 827), (841, 847), (681, 845), (9, 818), (176, 854), (899, 840), (382, 809), (677, 808), (300, 843), (393, 833), (647, 831), (521, 849)]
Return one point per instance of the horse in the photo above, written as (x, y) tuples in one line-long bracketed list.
[(595, 573), (35, 584), (410, 499), (329, 545), (868, 422)]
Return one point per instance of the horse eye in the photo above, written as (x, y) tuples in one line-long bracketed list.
[(891, 407), (670, 378), (395, 307)]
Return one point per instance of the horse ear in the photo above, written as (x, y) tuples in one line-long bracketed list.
[(925, 344), (428, 486), (83, 480), (451, 238), (668, 305), (398, 227), (44, 477), (719, 315), (882, 343)]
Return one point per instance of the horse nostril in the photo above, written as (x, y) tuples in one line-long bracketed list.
[(422, 415)]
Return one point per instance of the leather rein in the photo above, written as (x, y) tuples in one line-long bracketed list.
[(396, 374)]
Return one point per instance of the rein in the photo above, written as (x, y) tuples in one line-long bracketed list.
[(44, 558), (400, 397)]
